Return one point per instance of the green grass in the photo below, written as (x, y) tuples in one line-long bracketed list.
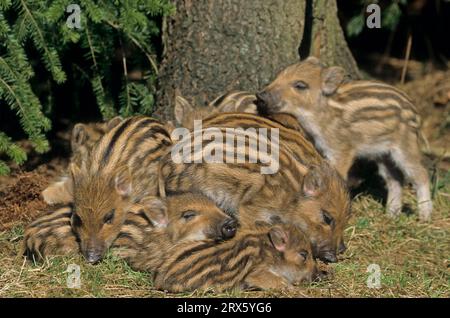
[(414, 259)]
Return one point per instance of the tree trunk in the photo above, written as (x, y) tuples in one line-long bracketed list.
[(324, 37), (214, 46), (221, 45)]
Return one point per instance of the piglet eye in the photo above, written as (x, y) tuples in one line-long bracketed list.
[(304, 254), (188, 215), (327, 218), (76, 220), (109, 217), (300, 85)]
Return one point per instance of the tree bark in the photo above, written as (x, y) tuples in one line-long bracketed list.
[(215, 46), (326, 38)]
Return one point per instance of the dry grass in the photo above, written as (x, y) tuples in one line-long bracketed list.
[(413, 257)]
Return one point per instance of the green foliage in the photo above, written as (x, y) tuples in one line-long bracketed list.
[(390, 16), (34, 33), (356, 25)]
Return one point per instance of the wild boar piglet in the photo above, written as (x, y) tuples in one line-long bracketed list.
[(349, 119), (272, 258)]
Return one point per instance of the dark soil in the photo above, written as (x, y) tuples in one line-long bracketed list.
[(20, 192), (21, 201)]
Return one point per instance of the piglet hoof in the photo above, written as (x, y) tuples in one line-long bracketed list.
[(290, 288), (394, 211), (425, 211), (320, 276)]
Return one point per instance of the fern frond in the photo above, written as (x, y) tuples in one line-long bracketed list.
[(34, 30), (109, 28), (29, 116), (13, 151), (106, 109), (4, 169), (145, 98), (5, 4)]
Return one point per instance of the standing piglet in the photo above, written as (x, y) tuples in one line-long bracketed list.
[(350, 119)]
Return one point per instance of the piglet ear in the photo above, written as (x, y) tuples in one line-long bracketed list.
[(113, 123), (122, 182), (279, 238), (226, 107), (155, 209), (75, 171), (313, 60), (332, 78), (79, 136), (182, 108), (170, 126), (313, 182)]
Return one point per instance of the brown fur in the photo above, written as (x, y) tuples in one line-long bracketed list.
[(120, 170), (52, 234), (305, 191), (83, 138), (350, 119), (276, 257), (237, 101), (192, 217)]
